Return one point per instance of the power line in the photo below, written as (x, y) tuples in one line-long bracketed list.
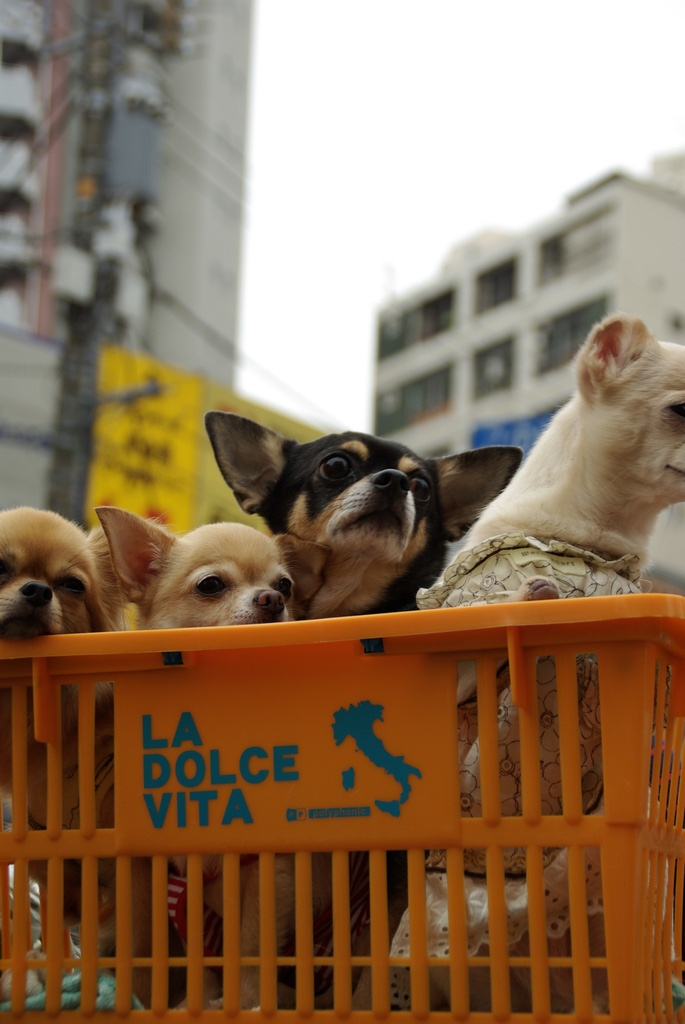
[(323, 415), (221, 160), (227, 346), (24, 435), (191, 125), (195, 119), (23, 334), (57, 125), (201, 180), (219, 341)]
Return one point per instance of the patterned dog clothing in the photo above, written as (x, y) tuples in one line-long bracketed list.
[(488, 573)]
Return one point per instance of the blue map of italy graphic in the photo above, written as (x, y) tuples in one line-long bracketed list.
[(357, 722)]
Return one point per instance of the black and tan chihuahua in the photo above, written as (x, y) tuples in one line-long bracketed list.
[(374, 517)]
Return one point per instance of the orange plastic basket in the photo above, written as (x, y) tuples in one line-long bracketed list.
[(332, 736)]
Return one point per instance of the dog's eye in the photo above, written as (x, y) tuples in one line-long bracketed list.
[(420, 488), (4, 569), (679, 410), (210, 585), (335, 467), (73, 584), (285, 587)]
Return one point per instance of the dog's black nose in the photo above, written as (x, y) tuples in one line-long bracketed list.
[(391, 480), (37, 594)]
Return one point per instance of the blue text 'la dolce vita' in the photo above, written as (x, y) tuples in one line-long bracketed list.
[(192, 785)]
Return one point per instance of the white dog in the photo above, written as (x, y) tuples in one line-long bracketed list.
[(576, 519)]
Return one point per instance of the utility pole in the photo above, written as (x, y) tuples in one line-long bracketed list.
[(88, 326), (117, 170)]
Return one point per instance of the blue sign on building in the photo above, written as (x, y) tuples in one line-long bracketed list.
[(523, 432)]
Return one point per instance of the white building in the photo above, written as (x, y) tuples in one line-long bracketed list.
[(196, 251), (480, 354)]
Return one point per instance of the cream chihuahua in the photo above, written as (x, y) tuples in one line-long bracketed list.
[(594, 483), (222, 574), (575, 520)]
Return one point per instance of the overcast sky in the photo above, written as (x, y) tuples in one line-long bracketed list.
[(382, 132)]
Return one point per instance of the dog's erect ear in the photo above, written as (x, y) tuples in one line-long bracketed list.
[(611, 346), (107, 612), (471, 480), (307, 562), (138, 547), (251, 457)]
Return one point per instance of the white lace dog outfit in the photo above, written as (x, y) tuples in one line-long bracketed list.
[(488, 573)]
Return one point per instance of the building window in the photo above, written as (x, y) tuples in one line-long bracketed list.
[(436, 315), (560, 339), (401, 330), (393, 335), (552, 258), (496, 286), (584, 246), (415, 401), (493, 368)]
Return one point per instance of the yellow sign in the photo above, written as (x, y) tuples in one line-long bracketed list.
[(151, 454), (145, 449)]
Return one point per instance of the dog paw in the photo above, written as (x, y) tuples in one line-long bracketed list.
[(538, 588)]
